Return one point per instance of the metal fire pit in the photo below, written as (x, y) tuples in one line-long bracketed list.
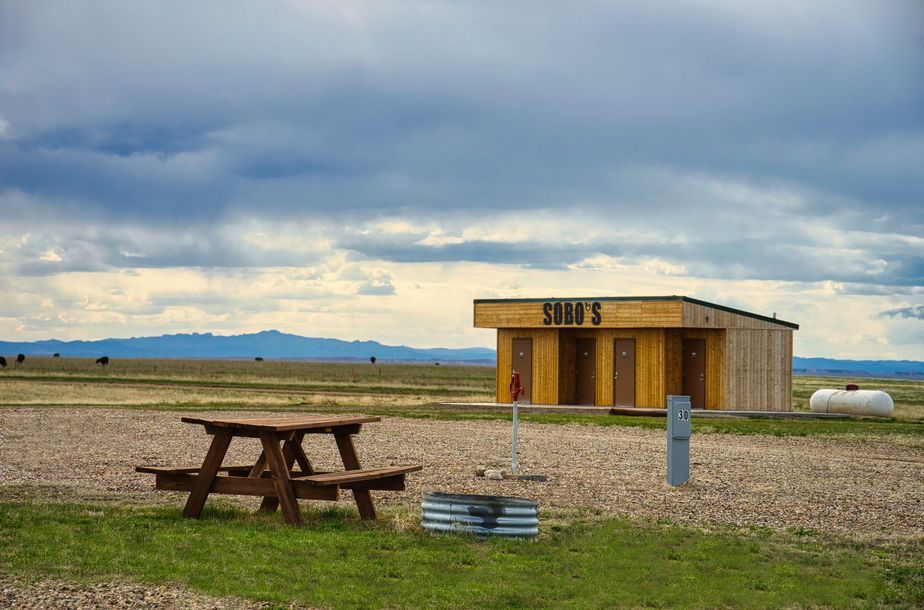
[(481, 515)]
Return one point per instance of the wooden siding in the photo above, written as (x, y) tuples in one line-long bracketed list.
[(650, 364), (700, 316), (759, 370), (566, 367), (614, 314), (715, 364), (673, 355), (545, 364), (553, 364), (748, 360)]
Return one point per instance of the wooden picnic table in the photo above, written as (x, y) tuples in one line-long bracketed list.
[(272, 475)]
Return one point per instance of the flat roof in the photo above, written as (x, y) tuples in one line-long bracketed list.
[(672, 297)]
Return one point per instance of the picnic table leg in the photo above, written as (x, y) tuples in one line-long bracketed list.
[(351, 462), (210, 466), (259, 466), (280, 471), (292, 451)]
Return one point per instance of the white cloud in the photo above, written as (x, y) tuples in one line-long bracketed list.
[(761, 156)]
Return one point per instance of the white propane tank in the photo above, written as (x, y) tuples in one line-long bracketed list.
[(852, 402)]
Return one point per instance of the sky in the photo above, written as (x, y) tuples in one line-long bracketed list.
[(364, 170)]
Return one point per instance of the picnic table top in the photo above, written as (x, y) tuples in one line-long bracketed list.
[(282, 424)]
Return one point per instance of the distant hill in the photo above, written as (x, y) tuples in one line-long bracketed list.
[(274, 344), (902, 369), (266, 344)]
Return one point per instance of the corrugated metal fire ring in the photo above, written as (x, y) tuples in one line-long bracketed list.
[(482, 515)]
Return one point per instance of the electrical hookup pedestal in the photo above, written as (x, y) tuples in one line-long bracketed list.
[(679, 427)]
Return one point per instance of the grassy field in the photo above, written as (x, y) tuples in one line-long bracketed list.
[(361, 377), (339, 562), (908, 395), (406, 390), (414, 381)]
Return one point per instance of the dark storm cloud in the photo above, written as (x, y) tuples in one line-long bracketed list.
[(726, 258), (916, 312), (740, 127)]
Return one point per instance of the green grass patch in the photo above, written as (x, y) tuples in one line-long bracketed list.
[(338, 561)]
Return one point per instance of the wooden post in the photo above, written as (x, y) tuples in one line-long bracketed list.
[(351, 462), (207, 473), (285, 496), (292, 451)]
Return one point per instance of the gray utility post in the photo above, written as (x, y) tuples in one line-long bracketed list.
[(679, 426)]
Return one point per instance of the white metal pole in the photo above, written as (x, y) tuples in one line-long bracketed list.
[(513, 459)]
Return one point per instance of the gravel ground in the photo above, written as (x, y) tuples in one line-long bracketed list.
[(54, 595), (860, 489), (854, 488)]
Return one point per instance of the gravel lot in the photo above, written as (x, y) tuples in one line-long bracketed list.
[(859, 489)]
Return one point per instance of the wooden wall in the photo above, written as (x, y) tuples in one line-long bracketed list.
[(566, 365), (760, 370), (673, 358), (545, 363), (716, 367), (614, 314), (748, 361), (553, 364), (650, 364), (700, 316)]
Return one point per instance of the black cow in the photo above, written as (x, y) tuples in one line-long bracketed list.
[(56, 355), (258, 359), (372, 359), (2, 361), (21, 358), (104, 360)]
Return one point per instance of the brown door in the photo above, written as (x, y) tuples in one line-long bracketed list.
[(585, 373), (694, 372), (523, 363), (624, 373)]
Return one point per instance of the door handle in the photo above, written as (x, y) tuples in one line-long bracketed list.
[(702, 377)]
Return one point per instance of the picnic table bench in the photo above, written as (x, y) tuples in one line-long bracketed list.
[(272, 475)]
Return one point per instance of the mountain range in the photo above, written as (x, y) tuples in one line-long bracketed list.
[(284, 346), (265, 344)]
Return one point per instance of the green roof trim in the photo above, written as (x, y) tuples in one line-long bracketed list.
[(672, 297)]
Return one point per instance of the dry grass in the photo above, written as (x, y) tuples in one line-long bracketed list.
[(73, 381), (452, 379), (55, 394), (908, 395)]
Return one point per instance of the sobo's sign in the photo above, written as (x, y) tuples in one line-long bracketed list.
[(570, 314)]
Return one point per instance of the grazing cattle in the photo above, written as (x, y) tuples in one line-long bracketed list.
[(56, 355), (104, 360), (258, 359), (2, 361), (21, 358), (372, 360)]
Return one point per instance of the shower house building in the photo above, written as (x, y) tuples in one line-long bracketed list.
[(634, 351)]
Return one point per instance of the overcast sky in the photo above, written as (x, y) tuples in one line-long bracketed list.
[(363, 170)]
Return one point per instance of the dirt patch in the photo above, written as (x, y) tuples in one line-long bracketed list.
[(52, 595), (856, 488)]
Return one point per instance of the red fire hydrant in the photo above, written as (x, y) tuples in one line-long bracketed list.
[(515, 388)]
